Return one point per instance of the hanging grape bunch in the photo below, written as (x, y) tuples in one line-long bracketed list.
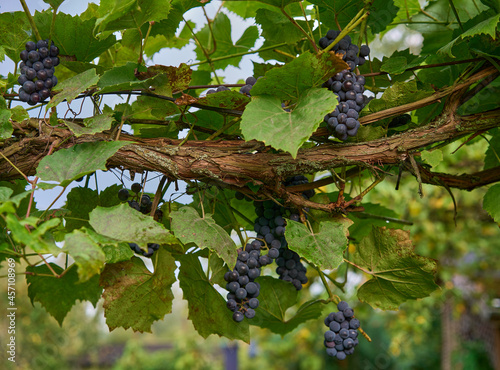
[(37, 71), (144, 206), (243, 290), (343, 121), (342, 336)]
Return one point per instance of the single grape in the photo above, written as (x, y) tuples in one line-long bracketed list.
[(23, 95), (22, 79), (123, 194), (42, 75), (33, 56), (136, 187), (24, 55), (238, 316), (29, 87), (250, 313), (231, 304), (30, 45)]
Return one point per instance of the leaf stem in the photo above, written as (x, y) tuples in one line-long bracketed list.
[(30, 19)]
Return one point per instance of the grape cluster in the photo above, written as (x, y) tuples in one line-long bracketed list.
[(350, 52), (249, 82), (342, 337), (37, 71), (152, 247), (270, 227), (243, 290), (218, 89), (144, 205), (343, 121)]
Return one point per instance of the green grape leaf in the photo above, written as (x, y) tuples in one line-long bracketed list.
[(492, 155), (382, 13), (276, 297), (245, 9), (279, 3), (88, 256), (394, 65), (109, 196), (36, 237), (265, 120), (72, 87), (114, 250), (325, 248), (19, 114), (225, 99), (80, 202), (277, 28), (207, 308), (6, 128), (398, 274), (118, 15), (491, 202), (54, 3), (178, 78), (13, 39), (292, 80), (123, 223), (220, 30), (487, 27), (399, 93), (217, 268), (134, 297), (91, 125), (73, 36), (189, 227), (433, 157), (124, 78), (67, 165), (334, 13), (57, 296), (372, 216)]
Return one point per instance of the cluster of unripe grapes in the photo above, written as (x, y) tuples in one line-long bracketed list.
[(143, 205), (342, 336), (343, 121), (37, 71)]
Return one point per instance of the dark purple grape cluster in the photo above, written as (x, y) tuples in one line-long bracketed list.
[(152, 247), (37, 71), (243, 290), (350, 52), (270, 226), (344, 120), (249, 82), (218, 89), (144, 205), (342, 336)]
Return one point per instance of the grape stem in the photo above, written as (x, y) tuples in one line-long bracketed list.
[(30, 19), (332, 296)]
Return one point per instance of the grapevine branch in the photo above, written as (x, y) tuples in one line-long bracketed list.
[(234, 162)]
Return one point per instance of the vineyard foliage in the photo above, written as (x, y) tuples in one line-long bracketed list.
[(235, 150)]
